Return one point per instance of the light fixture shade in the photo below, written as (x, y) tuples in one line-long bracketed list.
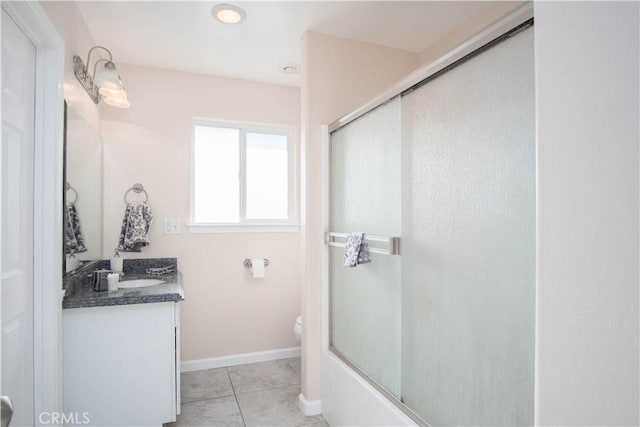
[(112, 93), (118, 102), (115, 98), (107, 77), (105, 83)]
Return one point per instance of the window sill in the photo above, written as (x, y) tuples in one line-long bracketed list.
[(200, 228)]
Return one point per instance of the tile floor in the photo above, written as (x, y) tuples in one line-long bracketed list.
[(259, 394)]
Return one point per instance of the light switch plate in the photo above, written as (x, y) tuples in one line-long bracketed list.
[(172, 226)]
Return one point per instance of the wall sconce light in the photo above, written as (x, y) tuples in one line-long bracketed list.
[(104, 83)]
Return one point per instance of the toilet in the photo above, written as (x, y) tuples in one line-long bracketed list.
[(297, 328)]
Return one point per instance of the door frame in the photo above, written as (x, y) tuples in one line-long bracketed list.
[(47, 207)]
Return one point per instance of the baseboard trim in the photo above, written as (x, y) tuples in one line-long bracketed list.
[(239, 359), (309, 407)]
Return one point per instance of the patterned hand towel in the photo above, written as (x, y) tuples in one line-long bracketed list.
[(356, 250), (73, 238), (160, 271), (363, 255), (134, 234)]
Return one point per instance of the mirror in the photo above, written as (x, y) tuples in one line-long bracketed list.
[(82, 213)]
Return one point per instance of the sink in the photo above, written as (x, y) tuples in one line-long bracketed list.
[(139, 283)]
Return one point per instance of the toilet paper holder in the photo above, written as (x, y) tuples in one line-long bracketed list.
[(247, 262)]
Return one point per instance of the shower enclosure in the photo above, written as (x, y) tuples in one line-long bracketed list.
[(441, 179)]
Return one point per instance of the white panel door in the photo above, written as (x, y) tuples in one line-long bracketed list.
[(18, 88)]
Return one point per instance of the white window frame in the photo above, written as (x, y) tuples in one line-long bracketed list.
[(248, 225)]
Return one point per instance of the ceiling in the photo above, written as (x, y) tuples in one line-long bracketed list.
[(182, 35)]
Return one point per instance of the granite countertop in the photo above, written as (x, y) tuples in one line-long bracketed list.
[(79, 291)]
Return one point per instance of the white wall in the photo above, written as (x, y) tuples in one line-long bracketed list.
[(78, 40), (84, 150), (338, 76), (225, 311), (587, 280)]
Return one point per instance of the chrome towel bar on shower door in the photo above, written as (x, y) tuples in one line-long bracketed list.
[(392, 242)]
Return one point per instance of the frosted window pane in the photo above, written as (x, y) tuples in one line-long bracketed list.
[(365, 300), (267, 176), (468, 229), (217, 169)]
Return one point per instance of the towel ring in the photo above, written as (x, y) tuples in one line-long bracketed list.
[(137, 188), (68, 187)]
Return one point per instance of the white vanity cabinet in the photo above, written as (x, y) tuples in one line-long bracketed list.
[(122, 363)]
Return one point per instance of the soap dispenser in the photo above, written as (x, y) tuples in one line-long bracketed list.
[(116, 262)]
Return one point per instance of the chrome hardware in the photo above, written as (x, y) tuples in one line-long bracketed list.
[(393, 243), (68, 187), (247, 262), (6, 411), (136, 188)]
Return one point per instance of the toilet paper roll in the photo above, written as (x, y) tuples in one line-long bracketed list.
[(257, 267)]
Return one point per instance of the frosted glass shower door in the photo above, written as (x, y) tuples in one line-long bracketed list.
[(468, 252), (365, 197)]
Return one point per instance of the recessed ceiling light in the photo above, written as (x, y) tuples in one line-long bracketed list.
[(290, 68), (228, 13)]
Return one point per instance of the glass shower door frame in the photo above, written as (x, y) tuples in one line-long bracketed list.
[(384, 246), (516, 21)]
